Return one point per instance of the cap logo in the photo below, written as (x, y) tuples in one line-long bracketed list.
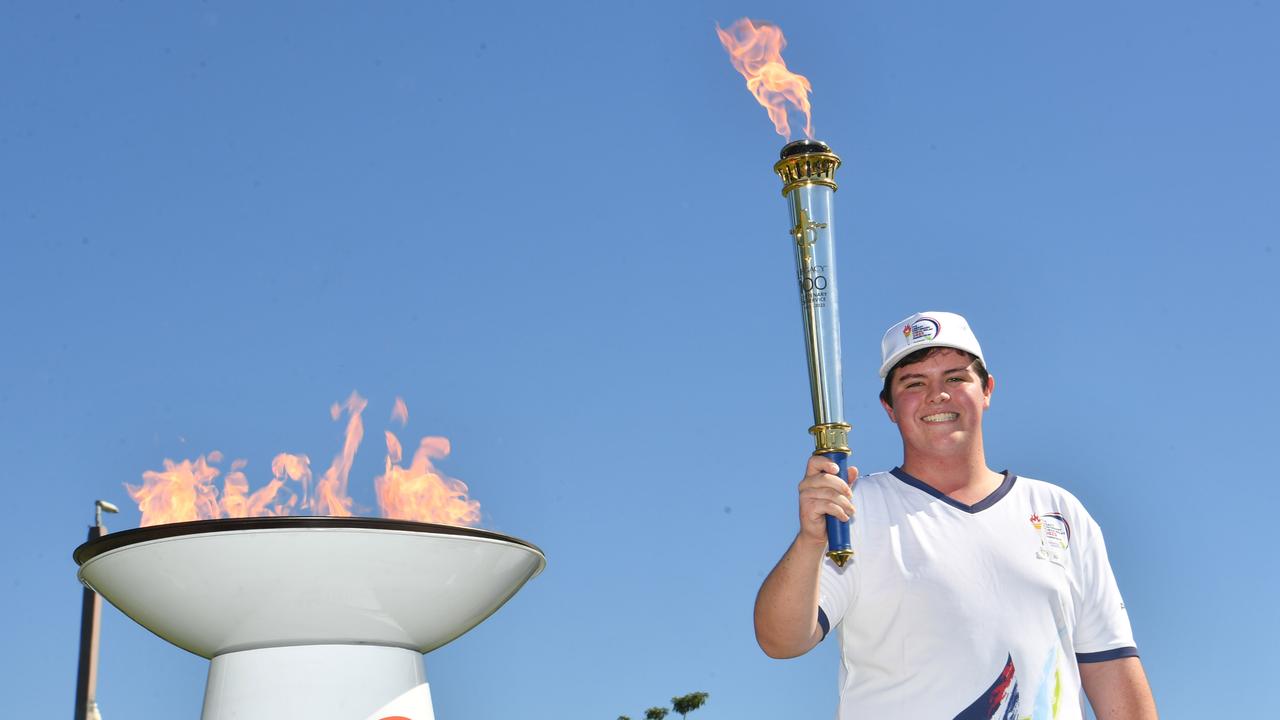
[(922, 330)]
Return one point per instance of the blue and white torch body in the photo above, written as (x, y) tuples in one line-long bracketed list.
[(807, 169)]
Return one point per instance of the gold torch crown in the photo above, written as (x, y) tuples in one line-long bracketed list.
[(807, 162)]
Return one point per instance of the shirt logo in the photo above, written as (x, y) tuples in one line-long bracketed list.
[(1055, 537)]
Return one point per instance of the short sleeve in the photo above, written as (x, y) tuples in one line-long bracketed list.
[(1102, 629), (837, 591)]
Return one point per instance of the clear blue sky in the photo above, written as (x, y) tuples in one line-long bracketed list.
[(554, 230)]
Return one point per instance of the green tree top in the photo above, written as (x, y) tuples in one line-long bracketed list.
[(686, 704), (655, 713)]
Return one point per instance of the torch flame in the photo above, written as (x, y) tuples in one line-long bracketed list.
[(755, 49), (186, 490)]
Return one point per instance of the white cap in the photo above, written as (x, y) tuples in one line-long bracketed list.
[(923, 330)]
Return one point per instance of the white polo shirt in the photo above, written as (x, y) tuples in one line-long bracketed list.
[(948, 610)]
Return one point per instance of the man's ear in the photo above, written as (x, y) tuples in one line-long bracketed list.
[(990, 388), (889, 411)]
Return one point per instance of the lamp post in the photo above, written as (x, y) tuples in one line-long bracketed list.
[(90, 613)]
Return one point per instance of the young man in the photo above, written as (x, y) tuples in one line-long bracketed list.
[(971, 593)]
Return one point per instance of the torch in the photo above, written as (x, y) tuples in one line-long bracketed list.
[(807, 169)]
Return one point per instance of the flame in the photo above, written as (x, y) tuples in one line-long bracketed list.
[(186, 490), (182, 491), (296, 468), (420, 492), (755, 49), (331, 490)]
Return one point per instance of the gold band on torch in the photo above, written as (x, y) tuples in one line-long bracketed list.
[(807, 169)]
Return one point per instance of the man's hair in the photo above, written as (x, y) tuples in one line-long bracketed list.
[(924, 354)]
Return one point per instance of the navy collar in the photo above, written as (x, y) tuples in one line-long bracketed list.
[(977, 507)]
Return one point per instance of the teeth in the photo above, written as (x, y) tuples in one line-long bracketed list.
[(940, 417)]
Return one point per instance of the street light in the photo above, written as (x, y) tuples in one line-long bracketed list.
[(90, 613), (98, 507)]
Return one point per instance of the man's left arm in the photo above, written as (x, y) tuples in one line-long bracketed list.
[(1106, 654), (1118, 689)]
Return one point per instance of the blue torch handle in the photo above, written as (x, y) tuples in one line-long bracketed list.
[(837, 529)]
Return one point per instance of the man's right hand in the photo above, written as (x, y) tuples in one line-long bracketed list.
[(786, 614), (822, 493)]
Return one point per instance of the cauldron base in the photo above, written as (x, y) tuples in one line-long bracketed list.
[(318, 682)]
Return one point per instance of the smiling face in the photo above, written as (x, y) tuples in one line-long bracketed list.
[(937, 404)]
